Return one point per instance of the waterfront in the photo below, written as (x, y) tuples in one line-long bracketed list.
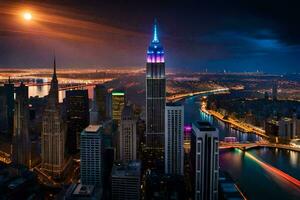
[(255, 181)]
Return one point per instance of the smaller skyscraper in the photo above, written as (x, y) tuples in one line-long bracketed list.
[(204, 161), (174, 152), (126, 181), (77, 106), (118, 103), (7, 109), (21, 141), (100, 98), (91, 150), (128, 137)]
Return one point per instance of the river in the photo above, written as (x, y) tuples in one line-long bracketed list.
[(255, 180)]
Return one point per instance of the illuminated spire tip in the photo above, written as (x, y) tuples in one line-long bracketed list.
[(155, 35)]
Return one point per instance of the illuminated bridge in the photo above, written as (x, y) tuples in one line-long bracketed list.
[(66, 86), (246, 146), (178, 97)]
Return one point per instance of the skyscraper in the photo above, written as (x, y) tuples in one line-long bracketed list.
[(204, 161), (7, 109), (118, 103), (128, 136), (91, 151), (77, 106), (53, 132), (100, 98), (126, 180), (174, 152), (155, 94), (21, 141)]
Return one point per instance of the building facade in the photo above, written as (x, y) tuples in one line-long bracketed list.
[(118, 103), (128, 135), (126, 181), (155, 94), (21, 141), (204, 158), (100, 98), (53, 133), (7, 109), (91, 150), (77, 107), (174, 151)]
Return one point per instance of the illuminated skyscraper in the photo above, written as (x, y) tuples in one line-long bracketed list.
[(21, 142), (118, 103), (77, 105), (53, 132), (204, 161), (174, 153), (155, 94), (128, 135)]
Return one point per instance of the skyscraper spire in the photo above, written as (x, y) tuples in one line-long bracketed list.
[(155, 34), (53, 93), (54, 66)]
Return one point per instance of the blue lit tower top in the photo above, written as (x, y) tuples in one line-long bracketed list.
[(155, 53)]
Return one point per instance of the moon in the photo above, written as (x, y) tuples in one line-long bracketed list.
[(27, 16)]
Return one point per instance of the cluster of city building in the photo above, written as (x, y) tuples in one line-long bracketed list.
[(120, 156)]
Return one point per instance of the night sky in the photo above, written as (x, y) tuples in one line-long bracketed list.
[(231, 35)]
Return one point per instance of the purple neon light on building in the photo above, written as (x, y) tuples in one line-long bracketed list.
[(155, 95), (155, 53)]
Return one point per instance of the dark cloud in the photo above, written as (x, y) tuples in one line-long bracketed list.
[(212, 34)]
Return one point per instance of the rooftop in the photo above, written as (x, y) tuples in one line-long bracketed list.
[(132, 168), (173, 104), (85, 190), (204, 126), (118, 93), (92, 128)]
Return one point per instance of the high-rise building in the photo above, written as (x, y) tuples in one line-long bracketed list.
[(53, 133), (77, 107), (155, 94), (204, 161), (163, 186), (126, 180), (286, 128), (21, 141), (174, 152), (118, 103), (100, 98), (7, 109), (128, 136), (91, 151)]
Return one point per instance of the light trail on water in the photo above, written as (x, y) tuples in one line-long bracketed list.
[(274, 170)]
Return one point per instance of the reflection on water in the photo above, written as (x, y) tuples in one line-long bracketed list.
[(43, 90), (285, 160), (255, 181), (193, 113)]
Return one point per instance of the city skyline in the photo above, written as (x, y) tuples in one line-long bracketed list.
[(234, 36), (115, 133)]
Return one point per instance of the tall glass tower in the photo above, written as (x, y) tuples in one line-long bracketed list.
[(155, 94)]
